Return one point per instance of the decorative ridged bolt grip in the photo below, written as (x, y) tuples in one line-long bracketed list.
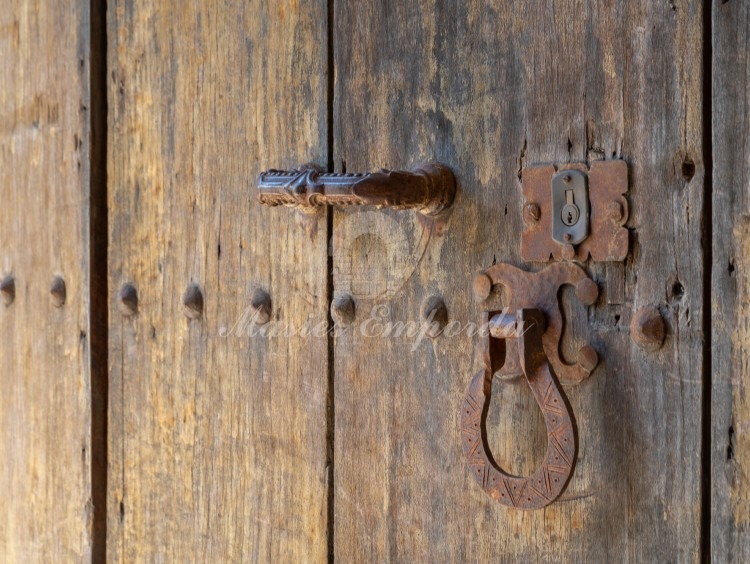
[(428, 189)]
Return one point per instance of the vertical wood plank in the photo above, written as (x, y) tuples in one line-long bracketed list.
[(217, 437), (45, 351), (489, 87), (730, 405)]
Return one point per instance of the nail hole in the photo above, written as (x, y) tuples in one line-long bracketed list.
[(192, 302), (688, 170), (730, 268), (678, 290)]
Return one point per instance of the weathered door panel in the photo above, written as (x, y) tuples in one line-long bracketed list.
[(217, 442), (46, 190), (730, 302), (489, 88)]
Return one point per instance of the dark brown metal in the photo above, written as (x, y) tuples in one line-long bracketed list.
[(608, 238), (58, 292), (343, 310), (647, 329), (482, 287), (540, 290), (128, 299), (260, 304), (8, 290), (548, 482), (428, 189), (588, 358)]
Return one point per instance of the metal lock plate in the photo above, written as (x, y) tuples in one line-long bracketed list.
[(605, 238)]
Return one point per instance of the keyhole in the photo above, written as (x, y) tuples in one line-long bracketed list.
[(570, 212)]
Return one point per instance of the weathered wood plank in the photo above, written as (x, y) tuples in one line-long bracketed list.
[(45, 351), (730, 405), (217, 443), (489, 87)]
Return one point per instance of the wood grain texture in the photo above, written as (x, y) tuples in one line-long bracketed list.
[(489, 87), (45, 352), (730, 409), (217, 438)]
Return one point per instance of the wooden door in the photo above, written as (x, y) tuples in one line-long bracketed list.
[(53, 334), (217, 445), (491, 88), (729, 220), (184, 396)]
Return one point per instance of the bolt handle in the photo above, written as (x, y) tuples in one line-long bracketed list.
[(428, 189)]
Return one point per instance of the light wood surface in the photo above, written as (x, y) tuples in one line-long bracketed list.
[(217, 445), (45, 351)]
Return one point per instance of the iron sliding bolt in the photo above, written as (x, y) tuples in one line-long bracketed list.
[(428, 189)]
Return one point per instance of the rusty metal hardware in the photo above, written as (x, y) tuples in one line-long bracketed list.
[(8, 290), (550, 232), (647, 329), (343, 310), (531, 338), (428, 189), (548, 482), (540, 290)]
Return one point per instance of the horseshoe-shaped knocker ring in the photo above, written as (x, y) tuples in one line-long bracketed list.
[(548, 482), (524, 329)]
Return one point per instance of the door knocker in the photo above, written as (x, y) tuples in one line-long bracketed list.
[(531, 329)]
